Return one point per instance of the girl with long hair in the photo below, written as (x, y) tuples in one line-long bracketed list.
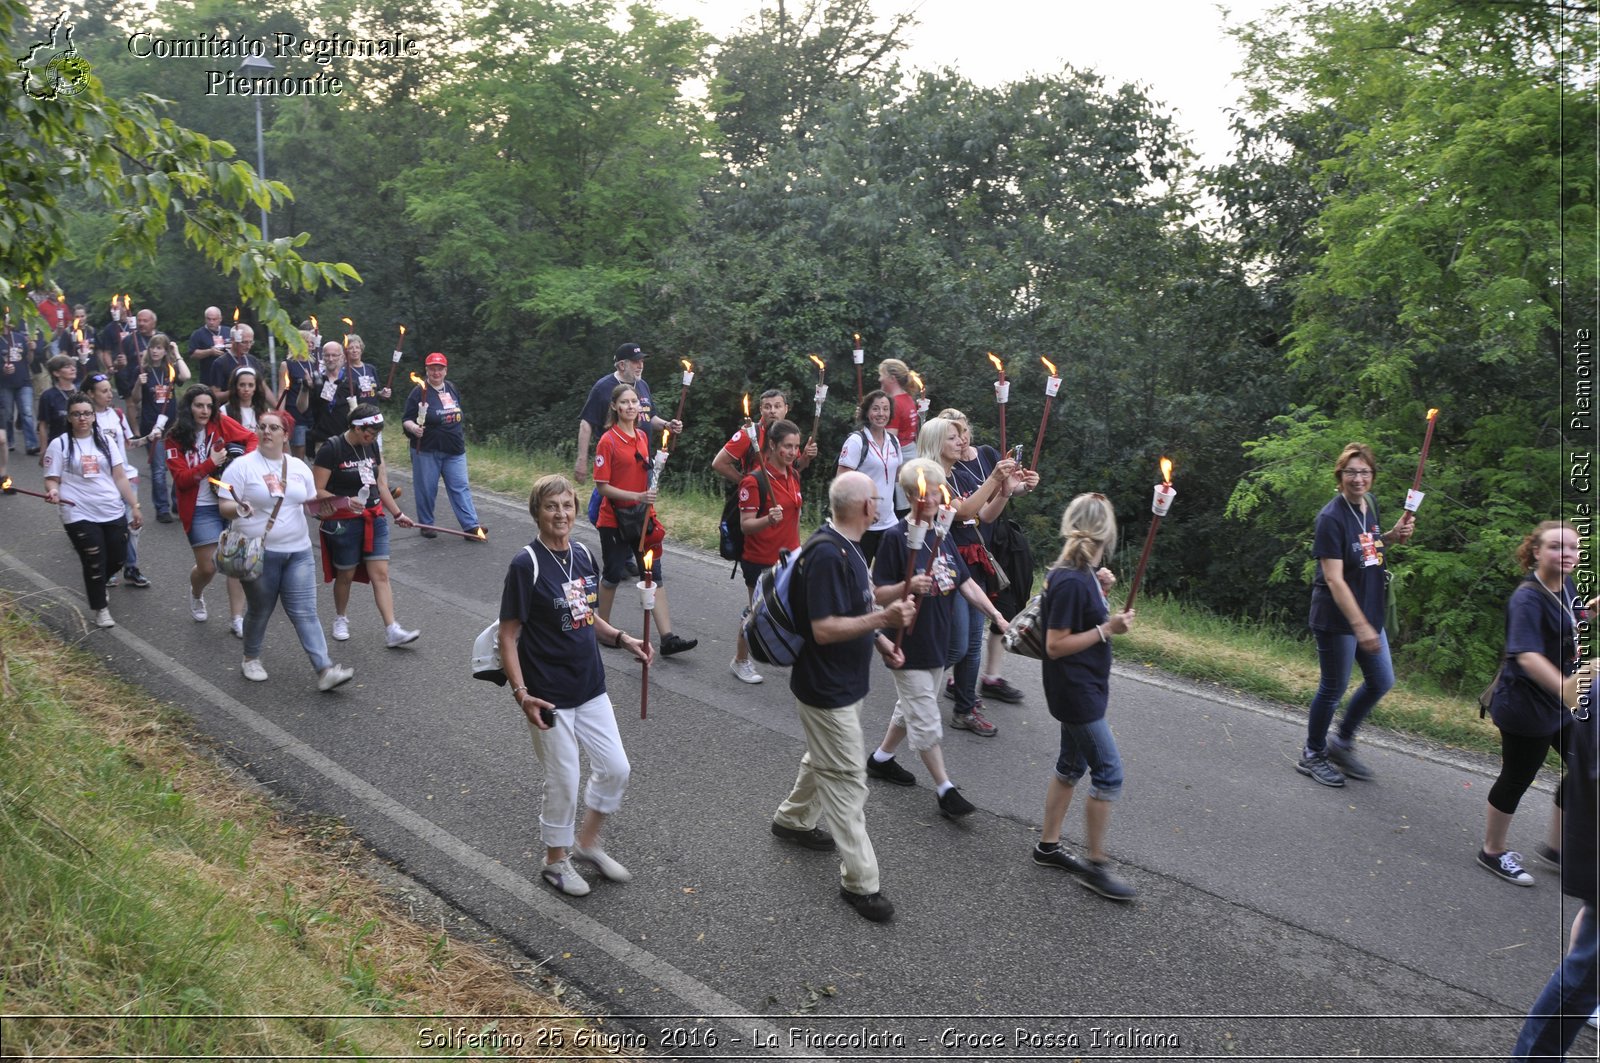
[(199, 446)]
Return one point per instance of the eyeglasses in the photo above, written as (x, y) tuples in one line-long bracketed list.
[(1355, 474), (80, 413)]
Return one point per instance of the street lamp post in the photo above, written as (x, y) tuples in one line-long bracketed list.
[(259, 66)]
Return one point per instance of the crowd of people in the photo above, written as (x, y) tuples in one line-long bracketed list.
[(225, 446)]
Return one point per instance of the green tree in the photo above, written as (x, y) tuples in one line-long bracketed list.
[(1431, 249), (69, 141)]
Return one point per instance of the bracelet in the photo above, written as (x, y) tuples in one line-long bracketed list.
[(518, 690), (1102, 630), (618, 644)]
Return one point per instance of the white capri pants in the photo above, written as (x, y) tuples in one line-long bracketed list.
[(591, 728), (916, 706)]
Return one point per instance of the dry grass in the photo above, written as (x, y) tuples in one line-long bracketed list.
[(138, 879)]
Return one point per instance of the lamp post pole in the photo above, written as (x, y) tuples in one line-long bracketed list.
[(259, 66)]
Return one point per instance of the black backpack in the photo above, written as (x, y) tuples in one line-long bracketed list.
[(731, 538)]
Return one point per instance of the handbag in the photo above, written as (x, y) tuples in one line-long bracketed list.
[(1486, 699), (240, 556), (1025, 637)]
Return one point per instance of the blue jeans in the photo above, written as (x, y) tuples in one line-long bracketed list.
[(1089, 747), (1568, 998), (966, 653), (426, 468), (1335, 654), (291, 578), (160, 494), (15, 402)]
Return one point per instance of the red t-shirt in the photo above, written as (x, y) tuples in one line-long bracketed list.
[(744, 452), (57, 314), (761, 548), (903, 419), (622, 462)]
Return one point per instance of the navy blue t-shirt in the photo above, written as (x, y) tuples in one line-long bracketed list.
[(1536, 623), (965, 478), (441, 429), (1076, 686), (557, 647), (1342, 532), (598, 403), (14, 360), (213, 343), (362, 380), (833, 582), (927, 645), (219, 374)]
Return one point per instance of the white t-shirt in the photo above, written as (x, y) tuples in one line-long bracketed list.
[(255, 479), (113, 422), (86, 477), (246, 416), (882, 463)]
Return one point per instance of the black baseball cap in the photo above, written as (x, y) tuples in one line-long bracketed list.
[(630, 352)]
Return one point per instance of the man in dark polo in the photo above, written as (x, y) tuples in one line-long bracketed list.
[(832, 596)]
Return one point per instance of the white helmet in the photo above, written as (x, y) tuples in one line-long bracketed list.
[(486, 656)]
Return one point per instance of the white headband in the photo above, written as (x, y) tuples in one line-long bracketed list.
[(368, 422)]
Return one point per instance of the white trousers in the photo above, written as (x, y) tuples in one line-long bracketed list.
[(592, 729)]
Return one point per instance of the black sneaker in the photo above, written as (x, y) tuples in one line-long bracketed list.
[(1550, 855), (873, 906), (1507, 865), (950, 687), (815, 838), (33, 452), (999, 690), (1059, 856), (134, 577), (163, 518), (953, 806), (429, 534), (671, 644), (1099, 878), (632, 568), (890, 771), (1342, 755), (1318, 768)]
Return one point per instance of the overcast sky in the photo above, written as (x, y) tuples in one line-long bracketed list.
[(1175, 48)]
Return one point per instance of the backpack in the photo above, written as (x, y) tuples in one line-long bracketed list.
[(772, 627), (731, 533), (486, 662), (1013, 556), (888, 436)]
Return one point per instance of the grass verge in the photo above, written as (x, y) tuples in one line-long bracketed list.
[(151, 906), (1173, 636)]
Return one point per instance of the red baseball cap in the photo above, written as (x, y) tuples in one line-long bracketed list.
[(436, 359)]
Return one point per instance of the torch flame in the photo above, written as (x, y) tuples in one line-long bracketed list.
[(1048, 364), (347, 321), (172, 372), (688, 367), (821, 367), (214, 482), (922, 486), (858, 338), (917, 380), (236, 315), (415, 379), (747, 405), (666, 435), (945, 492), (402, 332), (283, 378), (999, 366), (1166, 471), (5, 485), (483, 536), (649, 556), (1432, 413), (314, 330)]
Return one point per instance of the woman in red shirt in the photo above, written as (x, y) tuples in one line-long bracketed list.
[(904, 421), (769, 514), (622, 473)]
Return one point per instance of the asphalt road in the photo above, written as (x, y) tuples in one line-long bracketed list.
[(1277, 919)]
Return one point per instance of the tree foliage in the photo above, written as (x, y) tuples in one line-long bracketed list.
[(146, 172)]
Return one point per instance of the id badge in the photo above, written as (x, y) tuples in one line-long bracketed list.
[(274, 485), (328, 390), (447, 401), (367, 477), (577, 595), (1368, 545), (944, 578), (89, 465)]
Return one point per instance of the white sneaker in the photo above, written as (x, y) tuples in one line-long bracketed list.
[(602, 861), (565, 878), (744, 671), (102, 618), (253, 671), (197, 609), (341, 629), (236, 625), (395, 635), (335, 675)]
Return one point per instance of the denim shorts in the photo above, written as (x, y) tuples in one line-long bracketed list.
[(341, 539), (614, 554), (206, 528), (1089, 747), (297, 438)]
